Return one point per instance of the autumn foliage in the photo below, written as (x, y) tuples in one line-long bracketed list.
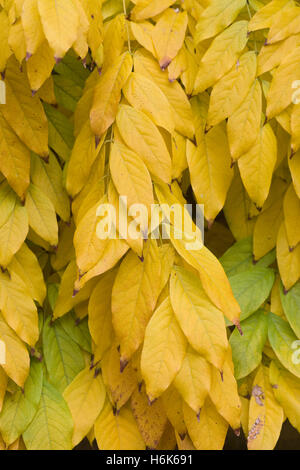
[(137, 342)]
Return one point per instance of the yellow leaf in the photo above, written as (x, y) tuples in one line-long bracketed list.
[(131, 178), (281, 92), (163, 350), (85, 397), (194, 380), (288, 261), (24, 112), (168, 35), (265, 414), (134, 296), (33, 30), (286, 388), (13, 224), (243, 126), (224, 393), (229, 93), (143, 34), (81, 160), (117, 431), (4, 31), (207, 431), (17, 358), (144, 95), (257, 165), (224, 51), (41, 215), (120, 385), (150, 417), (210, 172), (149, 8), (18, 308), (60, 22), (265, 15), (172, 402), (107, 94), (148, 67), (291, 210), (39, 66), (216, 17), (100, 322), (284, 24), (141, 135), (49, 178), (3, 386), (202, 323), (271, 55), (26, 266), (14, 158)]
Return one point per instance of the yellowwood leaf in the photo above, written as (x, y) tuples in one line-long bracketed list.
[(291, 210), (202, 323), (149, 8), (265, 15), (243, 126), (49, 178), (141, 135), (131, 178), (224, 393), (210, 172), (134, 296), (168, 35), (100, 323), (60, 22), (117, 431), (281, 92), (85, 397), (286, 388), (31, 22), (193, 381), (265, 414), (224, 50), (286, 23), (17, 360), (288, 261), (24, 112), (4, 31), (18, 308), (207, 431), (120, 385), (81, 160), (229, 93), (150, 417), (182, 112), (107, 94), (163, 350), (13, 224), (14, 158), (41, 215), (144, 95), (257, 165), (216, 17)]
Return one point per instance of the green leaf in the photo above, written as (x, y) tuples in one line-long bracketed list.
[(239, 258), (251, 288), (20, 407), (66, 92), (64, 359), (291, 306), (61, 138), (72, 69), (283, 341), (78, 330), (247, 349), (52, 426)]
